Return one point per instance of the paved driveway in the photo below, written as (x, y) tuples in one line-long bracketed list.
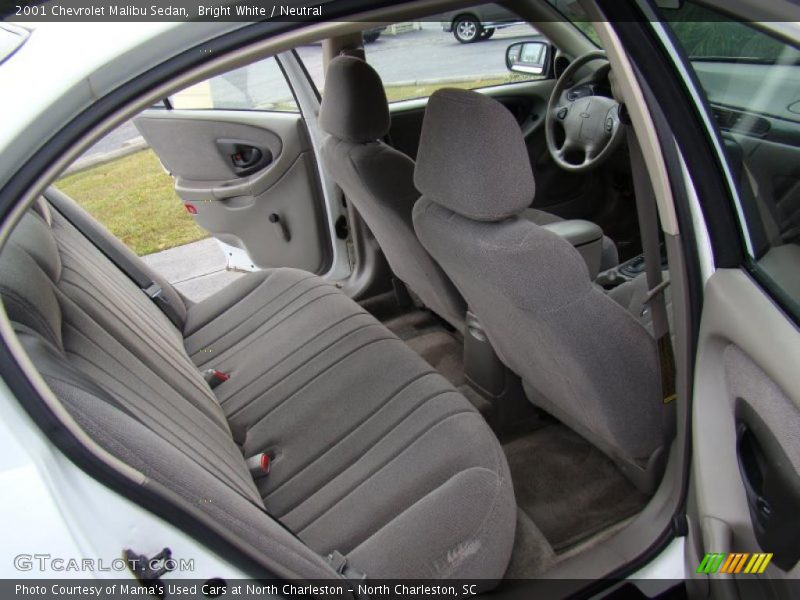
[(429, 54)]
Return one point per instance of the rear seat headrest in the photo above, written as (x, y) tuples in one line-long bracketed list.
[(30, 265), (472, 157), (34, 235)]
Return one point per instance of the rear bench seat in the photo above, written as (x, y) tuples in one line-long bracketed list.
[(374, 454)]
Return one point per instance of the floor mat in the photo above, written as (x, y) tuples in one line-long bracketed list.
[(425, 334), (443, 352), (567, 487)]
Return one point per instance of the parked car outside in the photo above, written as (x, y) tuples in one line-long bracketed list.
[(478, 23), (371, 35)]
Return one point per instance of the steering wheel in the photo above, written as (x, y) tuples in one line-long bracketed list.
[(591, 124)]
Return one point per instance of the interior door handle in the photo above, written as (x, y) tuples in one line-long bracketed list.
[(244, 157), (772, 486)]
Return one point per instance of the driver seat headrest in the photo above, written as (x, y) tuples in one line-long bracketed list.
[(354, 106), (472, 157)]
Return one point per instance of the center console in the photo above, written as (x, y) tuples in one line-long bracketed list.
[(587, 237)]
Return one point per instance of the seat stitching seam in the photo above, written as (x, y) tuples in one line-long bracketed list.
[(294, 371), (366, 451), (236, 301), (221, 475), (205, 392), (152, 343), (243, 344), (106, 270), (258, 309), (190, 415), (30, 309), (400, 452), (125, 301), (320, 374), (298, 349), (347, 434), (254, 331)]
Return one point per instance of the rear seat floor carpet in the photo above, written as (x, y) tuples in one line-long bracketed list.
[(424, 333), (566, 487)]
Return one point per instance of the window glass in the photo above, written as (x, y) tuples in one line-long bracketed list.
[(464, 49), (749, 78), (311, 57), (121, 182), (704, 35), (573, 12), (257, 86)]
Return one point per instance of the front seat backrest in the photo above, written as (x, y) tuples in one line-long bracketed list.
[(379, 180), (580, 355)]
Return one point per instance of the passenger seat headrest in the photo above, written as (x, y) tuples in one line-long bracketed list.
[(472, 157), (354, 106)]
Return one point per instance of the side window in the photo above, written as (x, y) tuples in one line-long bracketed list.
[(464, 48), (749, 78), (121, 182), (257, 86)]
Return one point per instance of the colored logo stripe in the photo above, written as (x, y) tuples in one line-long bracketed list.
[(758, 563), (734, 562), (711, 563)]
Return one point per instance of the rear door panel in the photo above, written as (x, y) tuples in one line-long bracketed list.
[(747, 402), (744, 509), (274, 214)]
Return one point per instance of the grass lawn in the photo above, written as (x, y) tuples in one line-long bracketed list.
[(395, 93), (135, 199)]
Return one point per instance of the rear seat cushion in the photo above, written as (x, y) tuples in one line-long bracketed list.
[(373, 450), (375, 454)]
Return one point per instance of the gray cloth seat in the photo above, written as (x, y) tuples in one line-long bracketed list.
[(374, 454), (379, 180), (581, 355)]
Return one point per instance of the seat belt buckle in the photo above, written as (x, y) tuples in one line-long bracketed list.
[(156, 294), (259, 465), (338, 562), (214, 377)]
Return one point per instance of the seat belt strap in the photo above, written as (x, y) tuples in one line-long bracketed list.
[(647, 210), (71, 212)]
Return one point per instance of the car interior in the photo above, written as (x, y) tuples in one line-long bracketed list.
[(489, 392)]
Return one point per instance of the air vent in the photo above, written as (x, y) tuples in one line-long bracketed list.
[(561, 64)]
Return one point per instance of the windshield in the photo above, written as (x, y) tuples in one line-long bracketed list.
[(572, 11)]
